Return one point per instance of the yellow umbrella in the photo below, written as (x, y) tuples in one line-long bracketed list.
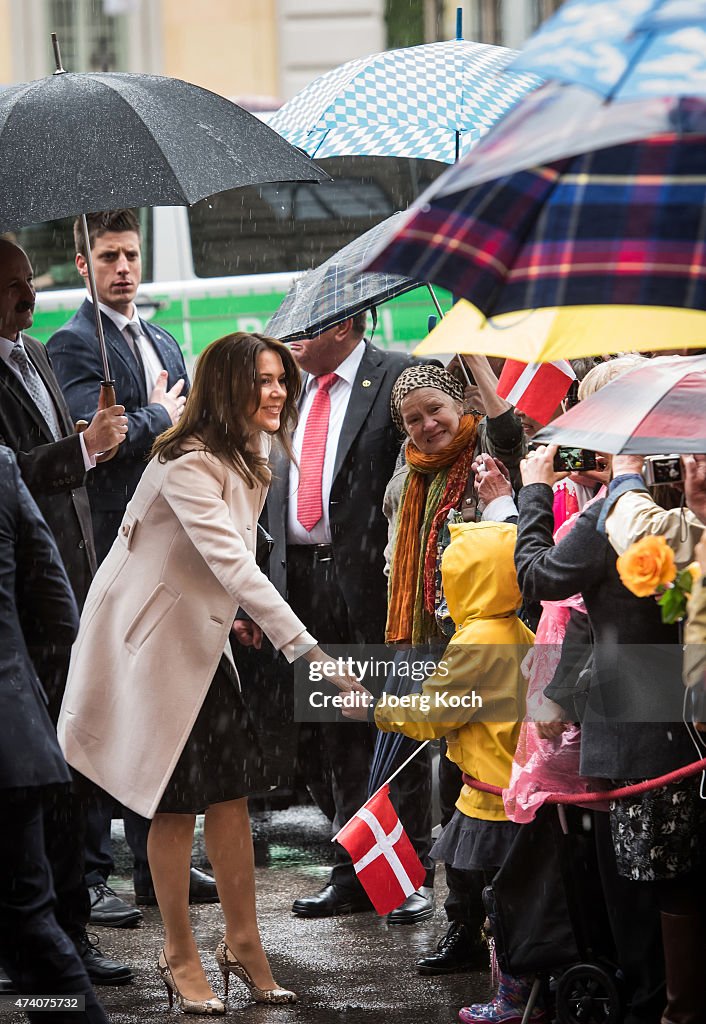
[(565, 332)]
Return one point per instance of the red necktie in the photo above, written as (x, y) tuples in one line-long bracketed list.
[(311, 461)]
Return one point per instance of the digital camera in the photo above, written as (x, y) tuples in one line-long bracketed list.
[(574, 460), (662, 469)]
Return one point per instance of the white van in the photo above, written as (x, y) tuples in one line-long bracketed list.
[(225, 263)]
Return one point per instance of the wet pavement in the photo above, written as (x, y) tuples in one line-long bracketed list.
[(354, 968)]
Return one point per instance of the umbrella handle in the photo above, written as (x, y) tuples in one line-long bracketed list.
[(106, 399)]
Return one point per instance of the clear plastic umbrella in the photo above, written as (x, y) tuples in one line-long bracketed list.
[(330, 293)]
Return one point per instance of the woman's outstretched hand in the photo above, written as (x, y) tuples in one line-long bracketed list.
[(334, 670)]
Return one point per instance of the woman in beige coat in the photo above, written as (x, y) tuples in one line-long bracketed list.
[(152, 711)]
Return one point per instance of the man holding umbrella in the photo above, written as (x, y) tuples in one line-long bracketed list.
[(152, 383), (53, 460)]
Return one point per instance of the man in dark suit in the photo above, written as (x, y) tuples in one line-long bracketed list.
[(151, 382), (37, 610), (54, 459), (325, 515)]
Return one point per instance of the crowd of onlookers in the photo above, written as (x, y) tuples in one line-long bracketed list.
[(329, 492)]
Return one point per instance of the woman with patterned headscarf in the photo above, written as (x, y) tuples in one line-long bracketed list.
[(433, 481), (432, 484)]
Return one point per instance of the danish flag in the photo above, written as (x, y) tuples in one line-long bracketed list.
[(535, 388), (383, 857)]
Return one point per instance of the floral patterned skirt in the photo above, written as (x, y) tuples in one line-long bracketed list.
[(659, 834)]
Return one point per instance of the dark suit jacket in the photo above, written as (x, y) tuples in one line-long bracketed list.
[(367, 450), (53, 471), (37, 609), (76, 360), (637, 660)]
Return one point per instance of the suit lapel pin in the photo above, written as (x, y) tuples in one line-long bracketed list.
[(366, 383)]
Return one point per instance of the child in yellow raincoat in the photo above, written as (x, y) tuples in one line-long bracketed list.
[(480, 666)]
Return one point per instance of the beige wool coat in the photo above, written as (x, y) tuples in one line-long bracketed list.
[(156, 621)]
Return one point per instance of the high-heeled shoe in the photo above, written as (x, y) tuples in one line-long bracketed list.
[(229, 964), (205, 1006)]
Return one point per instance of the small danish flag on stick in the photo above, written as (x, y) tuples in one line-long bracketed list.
[(383, 857), (536, 389)]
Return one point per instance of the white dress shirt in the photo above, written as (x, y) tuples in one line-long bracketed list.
[(150, 358), (339, 393), (6, 347)]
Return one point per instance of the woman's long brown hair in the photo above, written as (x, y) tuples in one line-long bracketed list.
[(224, 396)]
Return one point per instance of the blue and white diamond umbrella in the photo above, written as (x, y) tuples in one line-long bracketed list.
[(431, 102)]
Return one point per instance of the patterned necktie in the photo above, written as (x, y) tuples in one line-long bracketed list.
[(36, 388), (311, 461), (132, 335)]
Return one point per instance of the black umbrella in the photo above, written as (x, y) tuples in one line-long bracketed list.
[(72, 143), (330, 293)]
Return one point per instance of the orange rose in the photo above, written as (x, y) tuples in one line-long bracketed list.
[(647, 565)]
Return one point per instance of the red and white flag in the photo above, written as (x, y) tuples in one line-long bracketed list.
[(383, 857), (536, 389)]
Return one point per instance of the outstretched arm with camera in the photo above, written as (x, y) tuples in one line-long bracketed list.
[(630, 512)]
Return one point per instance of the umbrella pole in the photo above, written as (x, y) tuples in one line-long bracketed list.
[(389, 780), (462, 361), (106, 398), (434, 299)]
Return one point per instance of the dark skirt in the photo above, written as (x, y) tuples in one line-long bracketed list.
[(222, 759), (472, 844), (660, 834)]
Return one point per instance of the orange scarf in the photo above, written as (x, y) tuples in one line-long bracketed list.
[(422, 511)]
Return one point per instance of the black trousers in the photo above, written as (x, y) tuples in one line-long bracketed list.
[(464, 903), (314, 594), (64, 833), (633, 911), (64, 814), (99, 847), (37, 955)]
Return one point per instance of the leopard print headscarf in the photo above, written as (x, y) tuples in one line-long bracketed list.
[(424, 375)]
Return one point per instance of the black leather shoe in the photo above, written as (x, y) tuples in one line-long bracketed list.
[(99, 968), (332, 900), (417, 907), (202, 889), (458, 950), (108, 909)]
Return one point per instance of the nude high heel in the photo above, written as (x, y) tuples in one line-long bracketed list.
[(229, 964), (204, 1006)]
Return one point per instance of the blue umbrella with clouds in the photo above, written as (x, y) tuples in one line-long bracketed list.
[(623, 49)]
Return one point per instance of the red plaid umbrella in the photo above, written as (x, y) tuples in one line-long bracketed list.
[(655, 409), (621, 225)]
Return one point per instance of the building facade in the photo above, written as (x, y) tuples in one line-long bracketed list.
[(241, 48)]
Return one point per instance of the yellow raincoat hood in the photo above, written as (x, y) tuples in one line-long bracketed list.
[(478, 570), (484, 655)]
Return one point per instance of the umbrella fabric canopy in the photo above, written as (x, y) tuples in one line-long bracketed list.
[(431, 102), (623, 50), (557, 121), (336, 290), (72, 143), (566, 332), (622, 226), (656, 409)]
